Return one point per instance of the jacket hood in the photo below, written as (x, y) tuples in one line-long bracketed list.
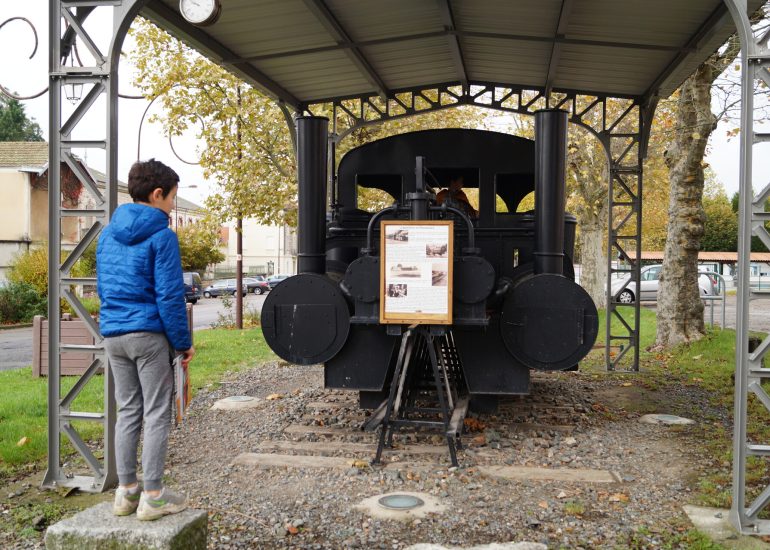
[(134, 223)]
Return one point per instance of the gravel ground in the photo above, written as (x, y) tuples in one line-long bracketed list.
[(581, 423), (572, 420)]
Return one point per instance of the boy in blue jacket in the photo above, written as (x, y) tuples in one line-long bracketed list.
[(143, 320)]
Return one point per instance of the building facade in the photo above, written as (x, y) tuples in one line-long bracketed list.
[(267, 249), (24, 201)]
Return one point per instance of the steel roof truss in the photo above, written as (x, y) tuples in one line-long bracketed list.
[(561, 31), (322, 12), (448, 20)]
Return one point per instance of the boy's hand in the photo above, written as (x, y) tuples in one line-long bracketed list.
[(187, 356)]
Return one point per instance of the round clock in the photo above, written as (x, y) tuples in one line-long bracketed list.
[(200, 12)]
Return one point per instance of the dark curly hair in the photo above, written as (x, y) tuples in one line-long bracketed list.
[(146, 176)]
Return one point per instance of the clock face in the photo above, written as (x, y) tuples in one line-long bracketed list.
[(199, 12)]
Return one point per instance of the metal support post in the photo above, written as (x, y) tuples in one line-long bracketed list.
[(626, 151), (749, 370), (102, 76)]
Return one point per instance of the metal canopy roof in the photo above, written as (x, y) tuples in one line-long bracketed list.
[(306, 51)]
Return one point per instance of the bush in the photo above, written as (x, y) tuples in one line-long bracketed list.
[(20, 302), (31, 267), (91, 304)]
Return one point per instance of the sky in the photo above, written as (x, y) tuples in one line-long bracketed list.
[(28, 76)]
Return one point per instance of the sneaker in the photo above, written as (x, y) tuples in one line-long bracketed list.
[(168, 502), (126, 501)]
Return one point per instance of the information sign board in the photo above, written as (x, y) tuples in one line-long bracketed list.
[(416, 272)]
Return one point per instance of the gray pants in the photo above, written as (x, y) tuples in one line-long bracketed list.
[(141, 367)]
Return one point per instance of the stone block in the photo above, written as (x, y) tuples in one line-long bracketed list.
[(96, 528)]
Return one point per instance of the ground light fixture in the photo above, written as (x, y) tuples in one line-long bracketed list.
[(400, 502)]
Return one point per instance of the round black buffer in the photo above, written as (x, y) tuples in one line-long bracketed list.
[(549, 322), (305, 319), (474, 279)]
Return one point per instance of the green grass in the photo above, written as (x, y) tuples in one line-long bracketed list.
[(221, 350), (24, 413), (688, 538), (24, 401)]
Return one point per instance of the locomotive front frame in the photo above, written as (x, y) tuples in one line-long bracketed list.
[(515, 304)]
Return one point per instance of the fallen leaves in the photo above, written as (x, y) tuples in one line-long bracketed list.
[(479, 441), (474, 425), (23, 441), (274, 396)]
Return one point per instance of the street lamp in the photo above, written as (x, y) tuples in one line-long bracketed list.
[(176, 201)]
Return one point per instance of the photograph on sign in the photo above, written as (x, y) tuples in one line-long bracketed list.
[(416, 272)]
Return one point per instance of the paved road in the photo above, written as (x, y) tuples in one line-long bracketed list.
[(15, 348), (759, 313), (16, 344), (206, 311)]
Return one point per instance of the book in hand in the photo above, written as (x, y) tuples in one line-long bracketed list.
[(182, 389)]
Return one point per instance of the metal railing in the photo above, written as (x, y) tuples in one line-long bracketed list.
[(719, 296)]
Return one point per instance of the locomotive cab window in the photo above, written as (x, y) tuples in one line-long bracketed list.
[(514, 193), (458, 186), (377, 191)]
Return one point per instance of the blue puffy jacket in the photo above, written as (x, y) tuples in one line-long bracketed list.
[(139, 276)]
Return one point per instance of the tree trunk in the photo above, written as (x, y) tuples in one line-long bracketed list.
[(680, 308), (589, 173), (593, 264)]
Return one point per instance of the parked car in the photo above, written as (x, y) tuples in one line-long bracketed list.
[(257, 285), (221, 287), (649, 285), (192, 287), (275, 279)]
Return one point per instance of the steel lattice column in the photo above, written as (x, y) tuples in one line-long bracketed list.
[(749, 372), (66, 28), (626, 151)]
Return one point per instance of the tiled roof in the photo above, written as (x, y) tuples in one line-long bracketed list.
[(34, 154), (23, 154), (712, 256), (181, 204)]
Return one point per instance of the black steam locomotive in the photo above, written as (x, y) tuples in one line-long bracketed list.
[(515, 304)]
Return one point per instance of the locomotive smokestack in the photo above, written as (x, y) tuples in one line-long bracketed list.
[(550, 185), (312, 165)]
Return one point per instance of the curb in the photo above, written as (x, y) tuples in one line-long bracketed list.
[(11, 327)]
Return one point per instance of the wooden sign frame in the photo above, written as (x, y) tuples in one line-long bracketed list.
[(431, 300)]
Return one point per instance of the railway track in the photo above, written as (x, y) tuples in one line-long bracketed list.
[(329, 435)]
